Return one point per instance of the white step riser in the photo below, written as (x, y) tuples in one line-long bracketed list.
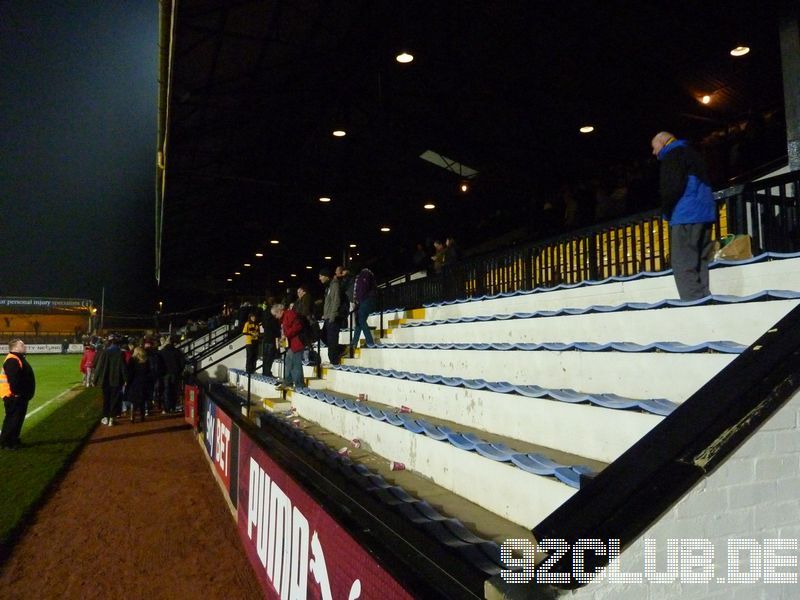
[(520, 497), (743, 323), (737, 281), (636, 375), (579, 429)]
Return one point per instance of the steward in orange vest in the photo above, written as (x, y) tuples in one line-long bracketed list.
[(17, 387)]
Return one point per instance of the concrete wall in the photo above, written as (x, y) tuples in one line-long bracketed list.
[(753, 494)]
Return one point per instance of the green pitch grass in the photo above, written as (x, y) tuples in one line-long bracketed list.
[(59, 419)]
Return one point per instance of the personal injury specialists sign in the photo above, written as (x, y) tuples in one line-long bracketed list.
[(297, 550)]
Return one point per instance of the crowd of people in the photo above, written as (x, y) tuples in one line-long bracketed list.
[(137, 376), (291, 324)]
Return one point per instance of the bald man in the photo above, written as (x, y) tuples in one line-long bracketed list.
[(687, 203), (17, 386)]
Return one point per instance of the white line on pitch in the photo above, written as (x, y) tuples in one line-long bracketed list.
[(35, 410)]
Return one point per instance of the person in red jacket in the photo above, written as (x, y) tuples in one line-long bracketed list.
[(87, 364), (292, 325)]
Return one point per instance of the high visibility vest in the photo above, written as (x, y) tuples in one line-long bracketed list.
[(5, 387)]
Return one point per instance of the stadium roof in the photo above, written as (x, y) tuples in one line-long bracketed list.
[(252, 92)]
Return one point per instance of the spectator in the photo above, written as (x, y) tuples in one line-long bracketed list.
[(365, 294), (252, 334), (87, 363), (292, 327), (272, 333), (331, 314), (111, 374), (154, 395), (140, 383), (438, 257), (174, 363), (450, 252), (688, 205), (303, 304)]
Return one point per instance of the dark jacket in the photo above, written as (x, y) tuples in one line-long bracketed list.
[(173, 360), (110, 368), (686, 195), (20, 378), (141, 380), (302, 306), (365, 286)]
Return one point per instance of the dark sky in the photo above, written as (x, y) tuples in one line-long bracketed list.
[(78, 103)]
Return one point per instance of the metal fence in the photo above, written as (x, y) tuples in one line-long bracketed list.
[(767, 210)]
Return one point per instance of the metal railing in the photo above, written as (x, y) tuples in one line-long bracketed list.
[(767, 210)]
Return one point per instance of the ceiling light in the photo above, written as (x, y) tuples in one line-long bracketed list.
[(429, 206), (324, 199), (339, 133), (327, 257), (280, 281), (309, 267), (274, 241), (740, 51), (292, 274), (259, 255), (247, 264), (464, 187), (706, 99), (352, 245), (385, 229), (230, 279), (587, 129), (404, 57), (237, 273)]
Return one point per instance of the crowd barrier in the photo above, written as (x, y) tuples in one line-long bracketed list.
[(46, 349), (296, 548)]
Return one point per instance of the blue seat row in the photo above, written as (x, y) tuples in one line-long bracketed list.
[(482, 553), (723, 346), (599, 308), (241, 373), (656, 406), (462, 441), (615, 278)]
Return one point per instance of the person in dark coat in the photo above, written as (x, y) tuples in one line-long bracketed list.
[(154, 396), (174, 362), (17, 387), (140, 382), (111, 373), (272, 333)]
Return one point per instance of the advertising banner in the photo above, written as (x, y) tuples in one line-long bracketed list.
[(297, 550), (44, 305), (46, 348), (219, 440)]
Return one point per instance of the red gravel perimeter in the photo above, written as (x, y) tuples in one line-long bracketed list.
[(138, 515)]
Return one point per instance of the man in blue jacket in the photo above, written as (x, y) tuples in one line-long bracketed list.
[(687, 203)]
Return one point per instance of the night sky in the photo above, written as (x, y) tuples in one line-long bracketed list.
[(78, 104)]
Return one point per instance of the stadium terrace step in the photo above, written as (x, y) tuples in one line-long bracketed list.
[(524, 413), (421, 443), (739, 321), (621, 373), (737, 280)]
